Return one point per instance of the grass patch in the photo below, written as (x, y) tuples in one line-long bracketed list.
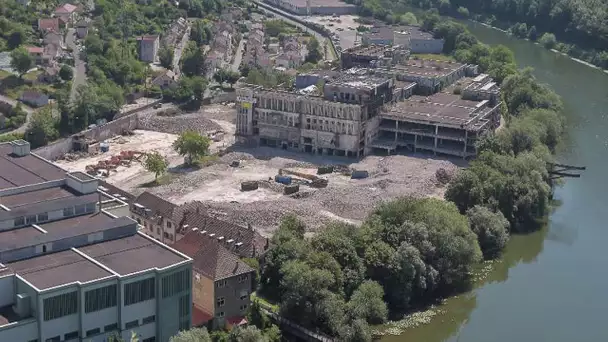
[(4, 74), (207, 160), (273, 307), (32, 76), (444, 58)]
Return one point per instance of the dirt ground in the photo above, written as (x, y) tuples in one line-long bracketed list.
[(217, 184)]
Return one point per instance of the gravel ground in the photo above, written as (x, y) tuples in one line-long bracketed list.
[(217, 186), (202, 121)]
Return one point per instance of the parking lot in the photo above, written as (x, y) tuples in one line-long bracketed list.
[(343, 28)]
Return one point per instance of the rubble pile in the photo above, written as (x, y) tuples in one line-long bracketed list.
[(179, 123)]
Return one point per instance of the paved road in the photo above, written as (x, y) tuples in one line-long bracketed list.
[(27, 109), (80, 66), (179, 49), (285, 16), (238, 56)]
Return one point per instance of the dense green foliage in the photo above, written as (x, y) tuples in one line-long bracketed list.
[(314, 51), (192, 335), (66, 73), (156, 164), (192, 146), (42, 128), (16, 21), (21, 61), (227, 76), (492, 230), (165, 57), (581, 24), (15, 117), (407, 252), (266, 78)]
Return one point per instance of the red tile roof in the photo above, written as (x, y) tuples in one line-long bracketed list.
[(210, 257), (159, 206), (48, 24), (236, 320), (66, 9), (34, 49)]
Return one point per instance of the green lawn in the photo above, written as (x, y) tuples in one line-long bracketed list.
[(4, 74), (433, 56), (32, 76)]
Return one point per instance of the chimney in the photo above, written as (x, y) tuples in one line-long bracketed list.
[(236, 266), (20, 147), (194, 229)]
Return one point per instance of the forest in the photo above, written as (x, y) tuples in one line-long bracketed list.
[(576, 27)]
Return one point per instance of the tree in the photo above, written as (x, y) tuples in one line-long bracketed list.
[(314, 51), (156, 163), (165, 56), (492, 230), (42, 129), (248, 334), (367, 302), (256, 317), (408, 18), (463, 11), (21, 60), (192, 335), (66, 73), (193, 60), (192, 146), (532, 33), (231, 77), (548, 40)]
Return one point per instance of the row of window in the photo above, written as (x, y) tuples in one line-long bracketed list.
[(223, 283), (101, 298), (44, 217), (176, 282), (221, 301), (139, 291), (61, 305)]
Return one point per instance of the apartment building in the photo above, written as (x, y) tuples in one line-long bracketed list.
[(221, 284), (73, 266), (329, 121), (148, 48), (168, 222)]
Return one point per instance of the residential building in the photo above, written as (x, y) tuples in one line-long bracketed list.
[(148, 48), (48, 24), (82, 29), (221, 284), (67, 12), (34, 98), (49, 75), (165, 80), (167, 222), (36, 53), (156, 215), (73, 266), (53, 37)]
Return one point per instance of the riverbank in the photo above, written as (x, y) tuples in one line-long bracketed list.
[(536, 43)]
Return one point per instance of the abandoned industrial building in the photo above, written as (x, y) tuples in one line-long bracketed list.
[(381, 102)]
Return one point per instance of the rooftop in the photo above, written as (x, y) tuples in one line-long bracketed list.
[(371, 50), (359, 78), (29, 169), (132, 254), (209, 255), (426, 67), (66, 8), (319, 3), (441, 107), (60, 268)]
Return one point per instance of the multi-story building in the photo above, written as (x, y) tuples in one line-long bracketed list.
[(221, 283), (167, 222), (319, 7), (367, 56), (73, 266), (335, 120), (411, 38), (148, 48)]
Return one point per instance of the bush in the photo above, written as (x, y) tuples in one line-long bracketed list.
[(548, 40), (463, 11), (492, 230)]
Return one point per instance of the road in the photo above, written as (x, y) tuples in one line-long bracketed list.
[(179, 49), (80, 66), (27, 109), (285, 16), (238, 56)]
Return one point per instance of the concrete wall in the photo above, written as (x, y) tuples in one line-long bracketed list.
[(202, 292), (20, 331), (7, 290)]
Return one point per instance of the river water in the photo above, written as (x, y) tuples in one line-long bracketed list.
[(550, 285)]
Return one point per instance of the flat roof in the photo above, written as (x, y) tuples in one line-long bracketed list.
[(98, 219), (441, 107), (132, 254), (14, 236), (47, 205), (8, 315), (371, 50), (37, 196), (358, 78), (426, 67), (20, 171), (59, 268)]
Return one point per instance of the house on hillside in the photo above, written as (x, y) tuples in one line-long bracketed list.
[(165, 80), (49, 24), (221, 284), (49, 75), (82, 29), (67, 12), (148, 48), (36, 53)]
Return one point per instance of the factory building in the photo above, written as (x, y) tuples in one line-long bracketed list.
[(334, 121), (73, 265), (411, 38)]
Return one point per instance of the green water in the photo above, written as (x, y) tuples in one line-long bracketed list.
[(550, 285)]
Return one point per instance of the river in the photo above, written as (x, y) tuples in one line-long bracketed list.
[(550, 285)]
